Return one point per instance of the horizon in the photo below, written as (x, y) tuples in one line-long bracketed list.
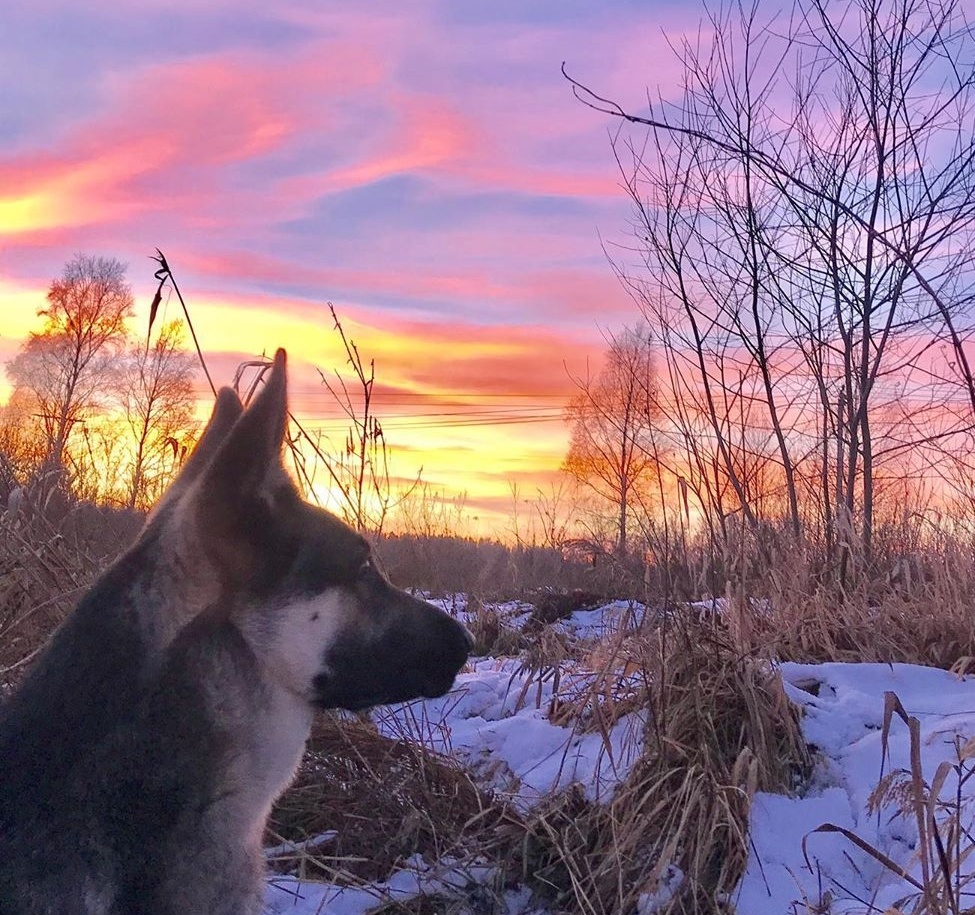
[(429, 173)]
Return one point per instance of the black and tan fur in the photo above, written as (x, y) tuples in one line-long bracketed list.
[(140, 759)]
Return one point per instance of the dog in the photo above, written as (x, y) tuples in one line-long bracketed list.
[(140, 758)]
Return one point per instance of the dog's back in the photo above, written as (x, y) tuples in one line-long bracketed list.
[(141, 757), (50, 735), (118, 767)]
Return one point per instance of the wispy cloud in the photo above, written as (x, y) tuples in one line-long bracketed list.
[(426, 169)]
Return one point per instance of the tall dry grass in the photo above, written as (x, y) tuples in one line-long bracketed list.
[(51, 550), (674, 836), (912, 603)]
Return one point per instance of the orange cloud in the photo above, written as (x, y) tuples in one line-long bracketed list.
[(167, 131), (435, 381), (415, 355)]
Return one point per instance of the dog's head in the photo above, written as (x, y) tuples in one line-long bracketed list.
[(301, 584)]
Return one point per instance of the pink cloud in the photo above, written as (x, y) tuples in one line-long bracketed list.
[(454, 283), (170, 131), (422, 134)]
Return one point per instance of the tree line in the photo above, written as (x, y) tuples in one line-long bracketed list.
[(93, 411), (801, 261)]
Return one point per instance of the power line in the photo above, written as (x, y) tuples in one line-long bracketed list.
[(460, 399), (392, 423), (499, 412)]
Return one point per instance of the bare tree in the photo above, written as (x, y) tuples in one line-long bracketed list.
[(609, 453), (805, 218), (65, 366), (157, 402), (21, 443)]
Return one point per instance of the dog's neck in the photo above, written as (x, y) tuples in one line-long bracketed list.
[(264, 724), (272, 748)]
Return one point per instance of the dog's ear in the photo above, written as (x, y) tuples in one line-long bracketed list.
[(226, 411), (253, 447), (247, 464), (233, 500)]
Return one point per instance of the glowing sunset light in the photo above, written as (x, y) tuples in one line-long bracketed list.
[(427, 172), (22, 214), (73, 193)]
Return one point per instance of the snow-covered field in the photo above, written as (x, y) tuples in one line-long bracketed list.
[(495, 721), (844, 721)]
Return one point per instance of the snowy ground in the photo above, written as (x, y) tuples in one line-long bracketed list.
[(495, 721), (844, 720)]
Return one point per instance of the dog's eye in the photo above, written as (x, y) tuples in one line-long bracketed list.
[(365, 568)]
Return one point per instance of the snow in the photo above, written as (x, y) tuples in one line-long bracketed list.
[(602, 621), (497, 722), (843, 721), (290, 896)]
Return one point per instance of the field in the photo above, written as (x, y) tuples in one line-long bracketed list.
[(638, 766), (606, 753)]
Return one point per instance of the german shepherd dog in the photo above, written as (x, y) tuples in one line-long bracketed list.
[(140, 758)]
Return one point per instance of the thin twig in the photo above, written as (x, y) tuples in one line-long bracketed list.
[(164, 274)]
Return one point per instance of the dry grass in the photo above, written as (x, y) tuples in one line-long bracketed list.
[(49, 555), (493, 633), (915, 608), (384, 799), (720, 729)]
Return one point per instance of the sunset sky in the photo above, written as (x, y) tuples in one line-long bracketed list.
[(422, 166)]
